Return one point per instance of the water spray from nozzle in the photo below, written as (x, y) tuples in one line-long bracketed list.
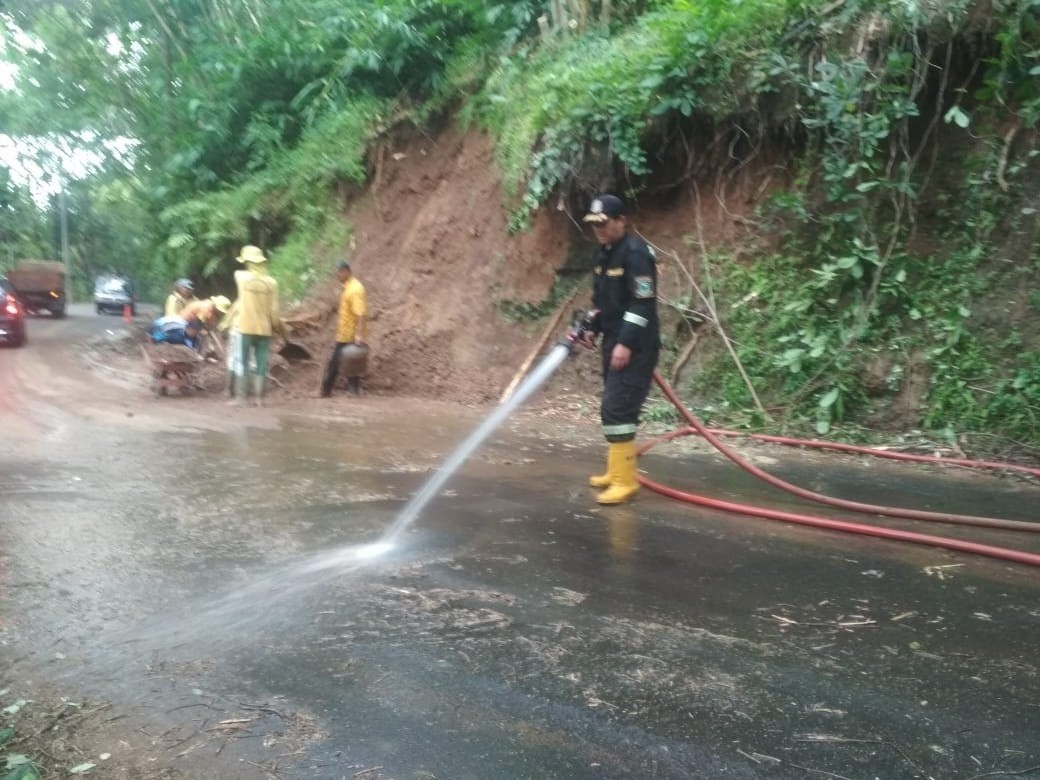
[(584, 322), (582, 330)]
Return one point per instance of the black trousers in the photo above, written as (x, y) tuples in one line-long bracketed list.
[(332, 369), (624, 393)]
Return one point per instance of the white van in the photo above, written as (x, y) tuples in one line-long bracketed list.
[(113, 294)]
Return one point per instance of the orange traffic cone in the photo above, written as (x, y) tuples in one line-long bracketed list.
[(127, 317)]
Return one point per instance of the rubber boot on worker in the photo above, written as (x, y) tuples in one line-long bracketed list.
[(354, 385), (259, 389), (622, 465), (326, 384), (236, 389), (602, 481)]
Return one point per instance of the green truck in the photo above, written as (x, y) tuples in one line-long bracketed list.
[(40, 286)]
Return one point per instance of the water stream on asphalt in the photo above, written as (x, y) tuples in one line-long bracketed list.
[(253, 602), (429, 491)]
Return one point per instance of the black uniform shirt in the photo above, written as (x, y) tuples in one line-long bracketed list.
[(625, 292)]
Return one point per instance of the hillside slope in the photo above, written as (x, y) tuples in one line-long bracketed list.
[(431, 243), (432, 246)]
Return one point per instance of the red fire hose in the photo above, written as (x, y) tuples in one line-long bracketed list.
[(697, 427)]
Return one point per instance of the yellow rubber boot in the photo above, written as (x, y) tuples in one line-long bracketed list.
[(603, 480), (623, 482)]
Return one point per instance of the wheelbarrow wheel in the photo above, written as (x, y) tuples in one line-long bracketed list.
[(159, 383)]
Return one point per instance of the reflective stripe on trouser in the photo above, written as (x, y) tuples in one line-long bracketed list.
[(624, 393)]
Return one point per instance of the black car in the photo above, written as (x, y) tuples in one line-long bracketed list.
[(12, 316)]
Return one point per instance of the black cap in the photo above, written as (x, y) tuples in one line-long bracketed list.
[(604, 207), (342, 265)]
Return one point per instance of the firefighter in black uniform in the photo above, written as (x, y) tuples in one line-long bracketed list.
[(624, 298)]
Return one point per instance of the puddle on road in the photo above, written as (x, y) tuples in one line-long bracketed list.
[(293, 580)]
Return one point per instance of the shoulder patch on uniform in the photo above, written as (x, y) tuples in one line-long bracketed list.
[(643, 287)]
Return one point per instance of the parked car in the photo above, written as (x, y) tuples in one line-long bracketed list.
[(12, 316), (113, 294)]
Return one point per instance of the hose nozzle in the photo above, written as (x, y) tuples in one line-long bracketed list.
[(582, 323)]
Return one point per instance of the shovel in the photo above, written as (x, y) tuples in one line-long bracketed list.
[(293, 350)]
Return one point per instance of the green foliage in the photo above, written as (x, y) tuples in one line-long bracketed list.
[(292, 201), (787, 343), (298, 263), (110, 231), (849, 291), (1011, 77), (808, 325), (524, 312), (515, 20), (15, 766), (552, 108), (23, 229), (661, 412), (246, 115)]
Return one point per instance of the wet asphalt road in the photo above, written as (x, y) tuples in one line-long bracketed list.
[(202, 565)]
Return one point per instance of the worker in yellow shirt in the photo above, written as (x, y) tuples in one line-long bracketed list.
[(257, 318), (351, 331), (183, 294)]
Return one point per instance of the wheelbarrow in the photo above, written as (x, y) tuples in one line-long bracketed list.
[(171, 367)]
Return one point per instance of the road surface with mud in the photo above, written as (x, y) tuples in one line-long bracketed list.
[(190, 591)]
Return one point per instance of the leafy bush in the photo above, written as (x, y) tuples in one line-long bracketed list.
[(552, 107), (292, 200)]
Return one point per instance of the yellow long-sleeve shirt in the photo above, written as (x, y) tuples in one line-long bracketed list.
[(256, 309), (174, 304), (352, 310)]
